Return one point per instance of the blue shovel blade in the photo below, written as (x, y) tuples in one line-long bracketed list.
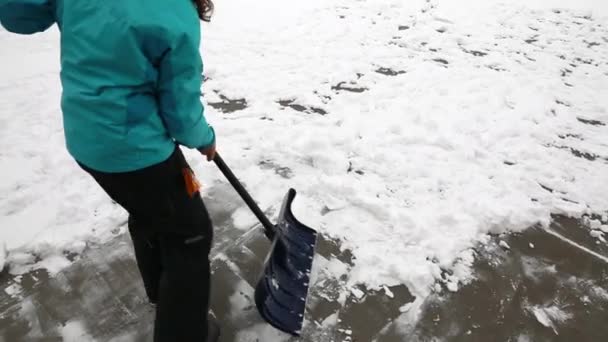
[(281, 292)]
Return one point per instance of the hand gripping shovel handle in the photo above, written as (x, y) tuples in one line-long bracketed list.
[(269, 228)]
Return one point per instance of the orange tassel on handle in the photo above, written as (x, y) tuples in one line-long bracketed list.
[(192, 184)]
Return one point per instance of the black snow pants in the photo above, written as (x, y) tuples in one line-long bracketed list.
[(172, 234)]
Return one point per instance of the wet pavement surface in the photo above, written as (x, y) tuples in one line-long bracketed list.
[(540, 289), (539, 285)]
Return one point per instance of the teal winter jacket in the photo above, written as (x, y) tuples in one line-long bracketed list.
[(131, 73)]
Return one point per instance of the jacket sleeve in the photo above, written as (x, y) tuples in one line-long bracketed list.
[(180, 78), (27, 16)]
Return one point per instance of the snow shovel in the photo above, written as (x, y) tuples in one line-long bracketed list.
[(281, 292)]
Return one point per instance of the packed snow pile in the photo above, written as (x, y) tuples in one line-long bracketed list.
[(414, 128), (411, 129)]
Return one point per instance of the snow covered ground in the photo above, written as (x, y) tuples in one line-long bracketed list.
[(410, 129)]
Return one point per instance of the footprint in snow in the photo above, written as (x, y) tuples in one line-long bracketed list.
[(228, 105), (389, 71), (301, 108), (344, 86)]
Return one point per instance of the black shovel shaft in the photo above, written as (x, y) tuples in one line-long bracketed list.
[(268, 226)]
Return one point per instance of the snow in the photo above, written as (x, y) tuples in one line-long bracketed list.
[(594, 224), (347, 331), (504, 244), (388, 292), (597, 234), (550, 316), (488, 124), (75, 332), (242, 219), (54, 264), (357, 293), (13, 290), (406, 307), (239, 301), (455, 9), (452, 286), (600, 293)]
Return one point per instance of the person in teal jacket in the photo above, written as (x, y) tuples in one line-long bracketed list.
[(131, 73)]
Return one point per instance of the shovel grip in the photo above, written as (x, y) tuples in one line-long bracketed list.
[(269, 228)]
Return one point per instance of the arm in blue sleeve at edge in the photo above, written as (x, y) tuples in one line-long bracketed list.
[(27, 16), (179, 88)]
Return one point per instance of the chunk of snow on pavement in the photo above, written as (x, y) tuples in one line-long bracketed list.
[(243, 219), (75, 331), (54, 264), (388, 292), (346, 331), (357, 293), (531, 245), (240, 300), (406, 307), (452, 286), (13, 290), (335, 268), (600, 293), (595, 224), (550, 316), (542, 317), (331, 320), (598, 234), (504, 244)]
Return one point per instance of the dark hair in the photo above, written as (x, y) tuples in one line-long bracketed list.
[(204, 8)]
